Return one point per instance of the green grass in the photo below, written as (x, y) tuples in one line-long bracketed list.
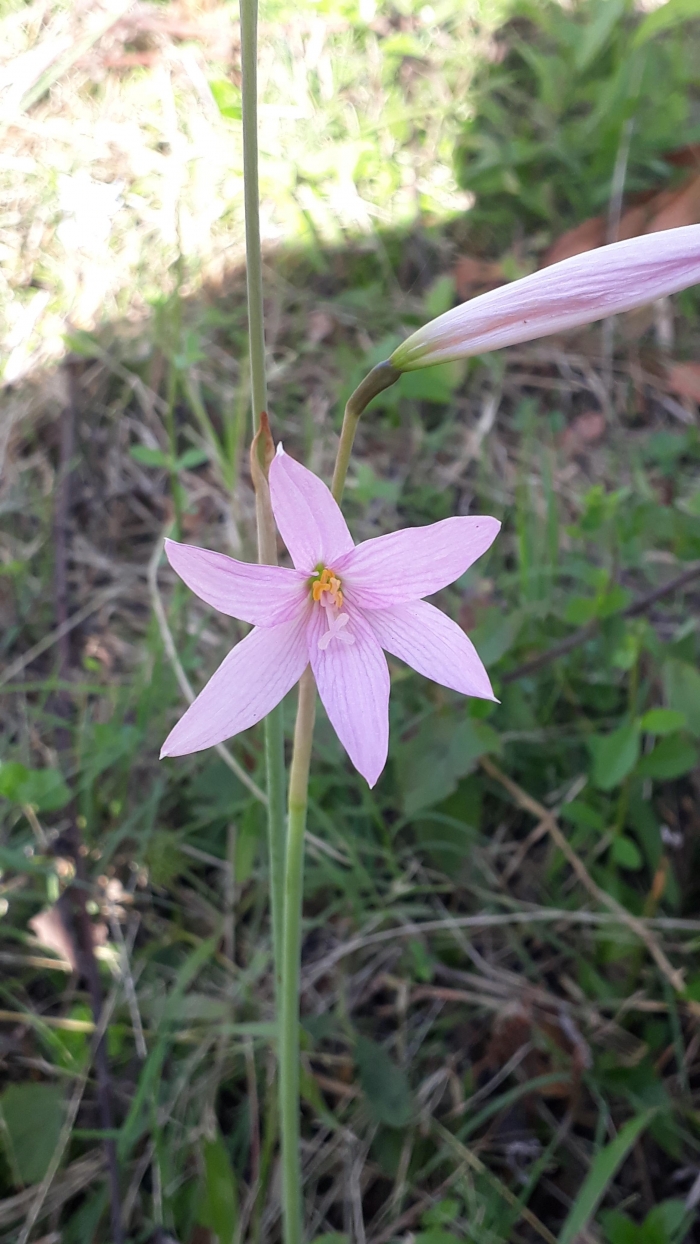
[(521, 1066)]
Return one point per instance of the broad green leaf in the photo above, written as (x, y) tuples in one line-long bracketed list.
[(443, 1212), (626, 853), (436, 1235), (673, 756), (662, 721), (582, 816), (44, 789), (663, 1223), (12, 775), (682, 692), (496, 635), (219, 1208), (149, 457), (227, 98), (614, 755), (384, 1084), (192, 458), (445, 749), (431, 384), (601, 1173), (33, 1117)]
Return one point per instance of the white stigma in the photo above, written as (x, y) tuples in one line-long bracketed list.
[(336, 629)]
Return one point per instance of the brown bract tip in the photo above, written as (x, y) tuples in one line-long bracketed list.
[(262, 449)]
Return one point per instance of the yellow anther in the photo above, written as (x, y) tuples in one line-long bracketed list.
[(327, 582)]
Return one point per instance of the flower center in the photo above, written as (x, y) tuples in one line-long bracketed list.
[(327, 581), (326, 591)]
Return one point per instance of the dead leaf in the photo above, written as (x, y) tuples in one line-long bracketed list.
[(476, 275), (649, 212), (585, 237), (680, 207), (586, 429), (53, 928), (683, 379), (321, 325)]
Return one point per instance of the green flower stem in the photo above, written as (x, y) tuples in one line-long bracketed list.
[(267, 543), (292, 1199), (380, 378)]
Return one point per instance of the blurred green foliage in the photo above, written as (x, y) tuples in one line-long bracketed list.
[(571, 92)]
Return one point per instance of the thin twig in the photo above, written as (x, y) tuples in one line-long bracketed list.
[(673, 975), (490, 920), (640, 605)]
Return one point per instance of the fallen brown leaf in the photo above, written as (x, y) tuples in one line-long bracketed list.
[(683, 379), (476, 275), (586, 429)]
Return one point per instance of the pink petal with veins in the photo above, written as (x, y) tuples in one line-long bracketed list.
[(576, 291), (309, 520), (248, 684), (353, 683), (406, 565), (432, 644), (262, 595)]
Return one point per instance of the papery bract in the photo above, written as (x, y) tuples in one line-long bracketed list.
[(576, 291), (338, 609)]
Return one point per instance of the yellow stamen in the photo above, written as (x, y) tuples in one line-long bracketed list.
[(327, 582)]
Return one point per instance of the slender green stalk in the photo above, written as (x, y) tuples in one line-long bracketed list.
[(267, 546), (289, 995), (380, 378)]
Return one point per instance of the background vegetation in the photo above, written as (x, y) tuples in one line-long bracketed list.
[(501, 962)]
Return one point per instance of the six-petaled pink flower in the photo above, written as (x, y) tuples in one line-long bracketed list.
[(338, 609)]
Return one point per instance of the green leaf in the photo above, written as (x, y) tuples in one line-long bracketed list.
[(614, 755), (496, 635), (83, 343), (331, 1237), (601, 1173), (662, 721), (674, 13), (582, 816), (619, 1229), (664, 1221), (682, 691), (384, 1084), (219, 1208), (192, 458), (436, 1236), (445, 749), (431, 384), (626, 853), (44, 789), (227, 98), (671, 758), (12, 775), (149, 457), (33, 1117)]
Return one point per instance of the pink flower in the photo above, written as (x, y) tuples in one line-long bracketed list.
[(338, 608), (576, 291)]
